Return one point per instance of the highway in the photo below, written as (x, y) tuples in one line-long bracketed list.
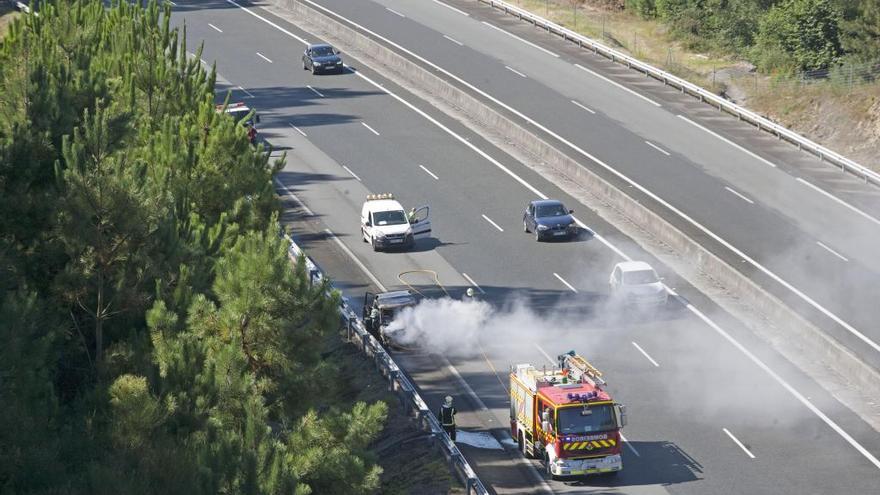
[(712, 409), (812, 230)]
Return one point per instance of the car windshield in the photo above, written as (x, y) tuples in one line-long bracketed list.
[(556, 210), (322, 51), (239, 114), (639, 277), (577, 420), (393, 217)]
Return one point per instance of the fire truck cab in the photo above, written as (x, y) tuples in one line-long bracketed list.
[(565, 417)]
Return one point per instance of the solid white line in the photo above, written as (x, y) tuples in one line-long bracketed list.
[(469, 279), (584, 107), (315, 90), (370, 128), (215, 28), (263, 57), (633, 449), (298, 130), (838, 200), (840, 431), (736, 440), (661, 150), (249, 95), (621, 86), (835, 253), (429, 172), (493, 223), (450, 7), (566, 283), (267, 21), (459, 43), (352, 173), (728, 141), (546, 355), (394, 12), (797, 395), (740, 195), (511, 69), (172, 3), (357, 261), (548, 52), (646, 355), (294, 196)]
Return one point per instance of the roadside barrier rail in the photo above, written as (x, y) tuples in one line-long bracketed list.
[(398, 383), (686, 87)]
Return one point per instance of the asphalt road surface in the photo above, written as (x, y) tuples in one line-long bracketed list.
[(711, 409)]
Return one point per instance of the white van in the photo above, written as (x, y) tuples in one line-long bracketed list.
[(385, 224)]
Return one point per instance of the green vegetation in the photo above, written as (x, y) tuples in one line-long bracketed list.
[(774, 34), (156, 339)]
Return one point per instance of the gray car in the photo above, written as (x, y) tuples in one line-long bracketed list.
[(322, 58), (549, 219)]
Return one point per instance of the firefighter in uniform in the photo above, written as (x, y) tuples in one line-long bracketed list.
[(447, 417)]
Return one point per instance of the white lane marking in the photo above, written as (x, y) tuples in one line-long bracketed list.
[(584, 107), (736, 440), (548, 52), (740, 195), (511, 69), (450, 7), (370, 128), (646, 355), (835, 253), (297, 129), (394, 12), (429, 172), (295, 197), (263, 57), (315, 91), (728, 141), (352, 173), (249, 95), (661, 150), (172, 3), (628, 444), (493, 223), (546, 355), (570, 287), (621, 86), (215, 28), (828, 421), (838, 200), (267, 21), (357, 261), (459, 43), (778, 379), (469, 279)]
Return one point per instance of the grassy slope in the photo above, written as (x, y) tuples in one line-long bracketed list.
[(411, 465), (844, 119)]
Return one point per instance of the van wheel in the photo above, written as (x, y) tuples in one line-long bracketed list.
[(375, 246), (363, 235)]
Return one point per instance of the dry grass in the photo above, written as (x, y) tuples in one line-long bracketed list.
[(7, 14)]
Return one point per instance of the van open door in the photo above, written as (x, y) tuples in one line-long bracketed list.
[(421, 223)]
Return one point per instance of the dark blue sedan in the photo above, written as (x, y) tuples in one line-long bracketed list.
[(549, 219), (322, 58)]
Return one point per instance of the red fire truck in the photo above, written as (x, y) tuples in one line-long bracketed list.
[(564, 416)]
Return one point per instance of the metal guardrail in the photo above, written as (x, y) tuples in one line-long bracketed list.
[(704, 95), (398, 383)]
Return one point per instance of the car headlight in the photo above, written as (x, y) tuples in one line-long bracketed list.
[(543, 227), (380, 235)]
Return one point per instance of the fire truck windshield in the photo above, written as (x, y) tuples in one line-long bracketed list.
[(577, 420)]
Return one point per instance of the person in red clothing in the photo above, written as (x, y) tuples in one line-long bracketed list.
[(252, 134)]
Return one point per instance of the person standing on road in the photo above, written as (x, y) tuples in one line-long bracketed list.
[(447, 417)]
